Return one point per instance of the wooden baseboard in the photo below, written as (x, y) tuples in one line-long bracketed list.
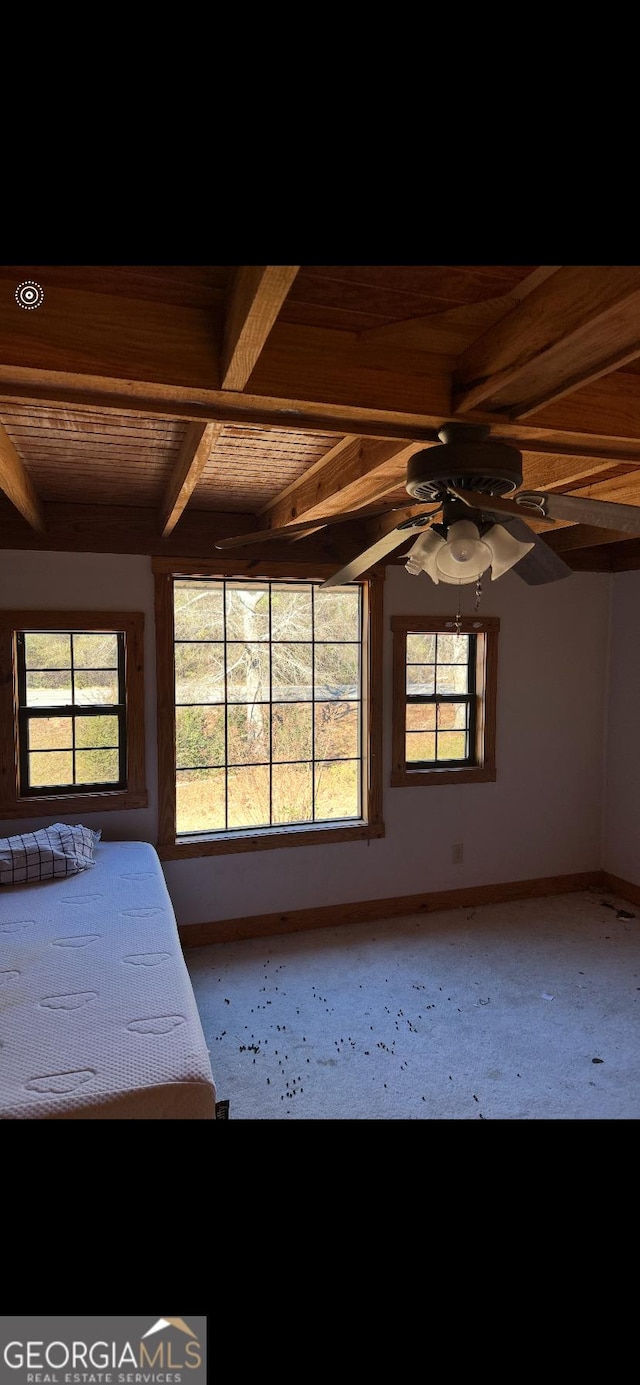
[(616, 885), (366, 910)]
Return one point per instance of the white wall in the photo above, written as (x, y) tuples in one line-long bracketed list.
[(541, 817), (620, 851)]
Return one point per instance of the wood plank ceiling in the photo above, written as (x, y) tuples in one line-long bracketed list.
[(155, 409)]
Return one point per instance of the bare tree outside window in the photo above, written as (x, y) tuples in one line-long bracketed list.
[(268, 698)]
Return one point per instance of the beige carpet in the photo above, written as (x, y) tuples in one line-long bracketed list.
[(519, 1011)]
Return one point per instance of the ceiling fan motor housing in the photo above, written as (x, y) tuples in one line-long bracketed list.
[(467, 459)]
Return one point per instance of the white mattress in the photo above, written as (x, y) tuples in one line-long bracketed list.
[(98, 1019)]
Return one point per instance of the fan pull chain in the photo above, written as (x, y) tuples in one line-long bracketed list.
[(478, 594), (458, 621)]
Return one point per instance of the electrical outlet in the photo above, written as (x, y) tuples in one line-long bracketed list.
[(457, 853)]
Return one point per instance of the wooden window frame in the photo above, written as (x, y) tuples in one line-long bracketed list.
[(13, 804), (484, 771), (170, 845)]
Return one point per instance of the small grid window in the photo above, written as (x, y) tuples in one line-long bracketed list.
[(268, 685), (441, 703), (71, 711), (444, 700)]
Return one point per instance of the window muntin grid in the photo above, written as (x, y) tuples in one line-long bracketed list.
[(71, 711), (440, 700), (268, 703)]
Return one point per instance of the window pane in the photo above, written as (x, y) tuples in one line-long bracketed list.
[(248, 611), (92, 732), (452, 714), (420, 679), (337, 790), (199, 736), (50, 733), (97, 767), (292, 791), (421, 746), (290, 613), (248, 672), (421, 649), (199, 673), (336, 670), (48, 689), (291, 675), (291, 731), (248, 796), (90, 688), (198, 610), (248, 734), (337, 730), (95, 651), (337, 614), (421, 716), (452, 745), (452, 678), (200, 800), (53, 768), (47, 651), (453, 649)]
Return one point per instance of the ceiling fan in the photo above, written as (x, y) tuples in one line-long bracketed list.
[(465, 479)]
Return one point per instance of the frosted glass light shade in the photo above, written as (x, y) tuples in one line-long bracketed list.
[(506, 551), (464, 556), (422, 555)]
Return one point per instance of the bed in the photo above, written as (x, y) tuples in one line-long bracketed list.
[(98, 1020)]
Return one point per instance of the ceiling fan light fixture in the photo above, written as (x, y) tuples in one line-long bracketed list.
[(464, 556), (506, 551)]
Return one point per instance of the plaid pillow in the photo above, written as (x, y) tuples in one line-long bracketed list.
[(44, 855)]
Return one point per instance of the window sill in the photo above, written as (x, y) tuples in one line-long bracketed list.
[(206, 844), (419, 778), (46, 804)]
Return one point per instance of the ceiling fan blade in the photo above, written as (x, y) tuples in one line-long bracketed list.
[(495, 505), (378, 550), (624, 519), (292, 531), (541, 564), (605, 513)]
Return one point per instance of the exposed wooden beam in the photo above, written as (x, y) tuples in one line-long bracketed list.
[(312, 379), (283, 508), (258, 294), (579, 324), (358, 471), (622, 490), (74, 528), (17, 484), (563, 471), (160, 361), (452, 329), (196, 447), (576, 536)]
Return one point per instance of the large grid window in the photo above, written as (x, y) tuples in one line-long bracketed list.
[(269, 688), (71, 711), (268, 691), (444, 700)]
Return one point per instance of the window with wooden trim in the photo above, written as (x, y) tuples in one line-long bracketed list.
[(71, 712), (444, 700), (270, 733)]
